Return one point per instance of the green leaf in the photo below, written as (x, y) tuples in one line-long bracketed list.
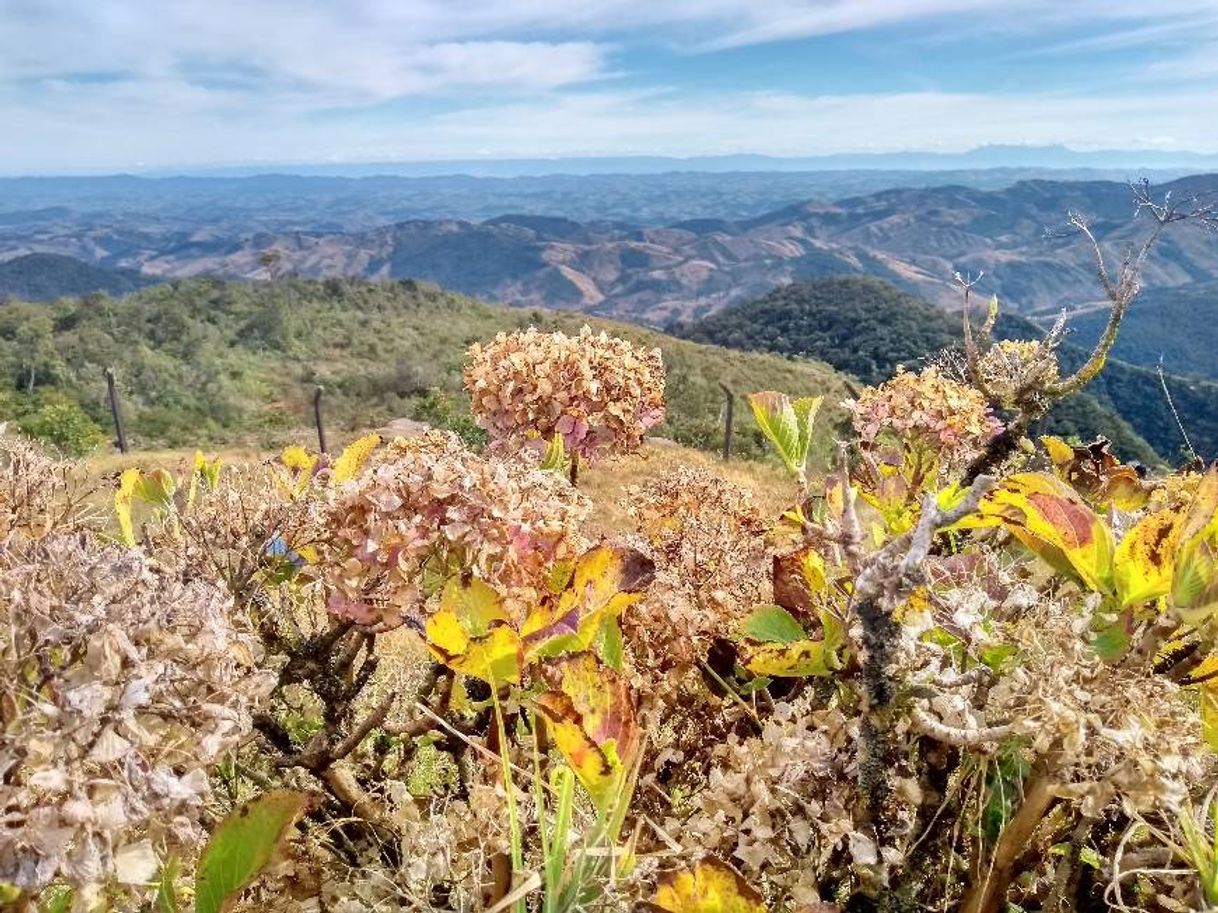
[(1089, 857), (556, 458), (1112, 642), (166, 891), (608, 644), (55, 899), (787, 425), (999, 657), (771, 624), (242, 845)]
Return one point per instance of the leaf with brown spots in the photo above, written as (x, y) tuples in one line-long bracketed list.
[(1145, 559), (1051, 519), (798, 578), (592, 718), (606, 580), (470, 633)]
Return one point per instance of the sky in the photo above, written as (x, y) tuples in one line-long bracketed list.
[(122, 85)]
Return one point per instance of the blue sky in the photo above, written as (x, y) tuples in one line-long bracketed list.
[(108, 85)]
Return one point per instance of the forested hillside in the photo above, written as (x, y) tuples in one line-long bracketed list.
[(1176, 327), (205, 361), (43, 277), (866, 327)]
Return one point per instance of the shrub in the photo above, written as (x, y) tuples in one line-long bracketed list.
[(598, 392)]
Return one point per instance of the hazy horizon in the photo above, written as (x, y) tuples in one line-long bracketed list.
[(1005, 157)]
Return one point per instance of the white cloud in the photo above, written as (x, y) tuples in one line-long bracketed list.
[(108, 83), (618, 123)]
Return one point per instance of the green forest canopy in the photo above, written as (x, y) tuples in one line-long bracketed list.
[(867, 327), (205, 362)]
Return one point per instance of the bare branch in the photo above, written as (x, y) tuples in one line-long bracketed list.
[(980, 738), (894, 565)]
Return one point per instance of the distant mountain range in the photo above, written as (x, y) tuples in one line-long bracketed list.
[(916, 238), (993, 156)]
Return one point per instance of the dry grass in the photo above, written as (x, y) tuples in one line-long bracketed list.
[(605, 483)]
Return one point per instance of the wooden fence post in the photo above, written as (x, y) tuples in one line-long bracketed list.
[(321, 429), (120, 436), (727, 420)]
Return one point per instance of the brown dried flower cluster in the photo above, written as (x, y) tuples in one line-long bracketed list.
[(600, 393), (1012, 367), (430, 499), (121, 688), (38, 494), (707, 537), (778, 804), (929, 408)]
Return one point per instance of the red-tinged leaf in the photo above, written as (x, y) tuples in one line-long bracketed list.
[(592, 719), (605, 581), (1052, 520)]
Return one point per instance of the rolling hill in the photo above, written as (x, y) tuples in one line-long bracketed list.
[(44, 277), (1176, 327), (210, 362), (915, 237), (866, 327)]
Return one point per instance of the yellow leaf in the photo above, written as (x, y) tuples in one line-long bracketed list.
[(1145, 559), (494, 658), (592, 719), (709, 886), (353, 458), (470, 633), (207, 470), (123, 497), (606, 580), (1060, 453), (298, 459), (797, 659), (156, 487), (1052, 520), (475, 603), (1206, 670), (1194, 590)]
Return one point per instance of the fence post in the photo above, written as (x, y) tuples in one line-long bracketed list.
[(112, 390), (727, 420), (321, 430)]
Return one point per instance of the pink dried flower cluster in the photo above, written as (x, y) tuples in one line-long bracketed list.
[(929, 408), (599, 392), (121, 688), (429, 503)]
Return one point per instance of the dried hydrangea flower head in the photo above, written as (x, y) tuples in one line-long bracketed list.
[(600, 393), (707, 537), (1012, 368), (122, 688), (929, 409), (430, 502)]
